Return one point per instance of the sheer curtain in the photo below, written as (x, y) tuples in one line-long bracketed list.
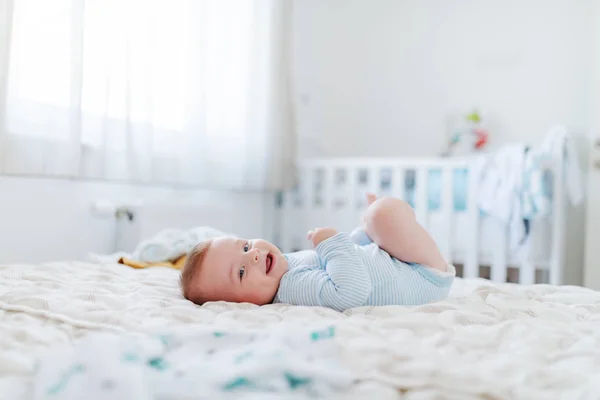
[(182, 92)]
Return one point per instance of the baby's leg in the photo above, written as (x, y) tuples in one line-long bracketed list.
[(391, 223)]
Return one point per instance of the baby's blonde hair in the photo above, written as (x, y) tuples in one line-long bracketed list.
[(190, 271)]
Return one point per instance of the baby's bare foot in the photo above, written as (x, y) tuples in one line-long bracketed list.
[(371, 197)]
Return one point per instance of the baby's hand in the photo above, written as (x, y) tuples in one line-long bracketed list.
[(320, 234)]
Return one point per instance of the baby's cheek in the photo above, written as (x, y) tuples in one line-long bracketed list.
[(263, 294)]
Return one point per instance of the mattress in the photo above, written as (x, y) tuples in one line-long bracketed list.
[(486, 341)]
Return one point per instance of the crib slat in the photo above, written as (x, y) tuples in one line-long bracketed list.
[(325, 213), (277, 222), (309, 214), (328, 196), (527, 268), (471, 267), (287, 224), (353, 189), (351, 209), (335, 213), (557, 255), (447, 209), (295, 232), (374, 180), (306, 191), (398, 182), (499, 265), (421, 201)]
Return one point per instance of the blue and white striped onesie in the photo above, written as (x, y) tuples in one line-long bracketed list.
[(341, 274)]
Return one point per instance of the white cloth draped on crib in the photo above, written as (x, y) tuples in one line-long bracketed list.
[(515, 186)]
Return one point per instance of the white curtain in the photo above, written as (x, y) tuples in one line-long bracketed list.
[(178, 92)]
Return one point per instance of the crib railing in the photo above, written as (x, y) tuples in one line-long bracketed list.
[(332, 192)]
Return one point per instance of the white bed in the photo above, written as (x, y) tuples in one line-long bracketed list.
[(488, 341)]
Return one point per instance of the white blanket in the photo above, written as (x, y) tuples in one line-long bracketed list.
[(486, 341)]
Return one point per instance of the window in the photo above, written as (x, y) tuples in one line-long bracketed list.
[(191, 91), (150, 67)]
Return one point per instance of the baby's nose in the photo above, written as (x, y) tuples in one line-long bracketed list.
[(256, 256)]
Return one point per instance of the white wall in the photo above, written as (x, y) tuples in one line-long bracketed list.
[(47, 220), (384, 77)]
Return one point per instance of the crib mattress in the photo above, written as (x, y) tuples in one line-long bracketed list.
[(485, 341)]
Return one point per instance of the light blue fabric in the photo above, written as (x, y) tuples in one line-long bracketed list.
[(537, 187), (341, 274)]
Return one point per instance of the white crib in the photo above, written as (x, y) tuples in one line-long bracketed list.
[(331, 192)]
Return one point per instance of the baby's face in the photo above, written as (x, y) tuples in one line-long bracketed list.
[(241, 271)]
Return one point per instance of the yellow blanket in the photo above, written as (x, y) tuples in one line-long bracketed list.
[(177, 264)]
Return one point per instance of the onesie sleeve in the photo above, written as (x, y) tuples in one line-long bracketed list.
[(349, 283), (343, 283)]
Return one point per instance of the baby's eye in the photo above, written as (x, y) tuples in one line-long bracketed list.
[(242, 272), (247, 247)]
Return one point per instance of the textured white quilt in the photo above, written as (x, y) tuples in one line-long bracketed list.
[(487, 341)]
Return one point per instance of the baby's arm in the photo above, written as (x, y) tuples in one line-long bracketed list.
[(349, 284), (344, 284)]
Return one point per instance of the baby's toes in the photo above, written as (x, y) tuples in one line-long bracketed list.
[(371, 197)]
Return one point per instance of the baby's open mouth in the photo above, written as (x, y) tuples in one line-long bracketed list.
[(269, 262)]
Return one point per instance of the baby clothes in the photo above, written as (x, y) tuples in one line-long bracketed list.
[(341, 274)]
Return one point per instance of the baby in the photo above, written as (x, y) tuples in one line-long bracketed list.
[(389, 260)]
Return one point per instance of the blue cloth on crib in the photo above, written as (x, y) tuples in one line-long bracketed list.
[(460, 183)]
